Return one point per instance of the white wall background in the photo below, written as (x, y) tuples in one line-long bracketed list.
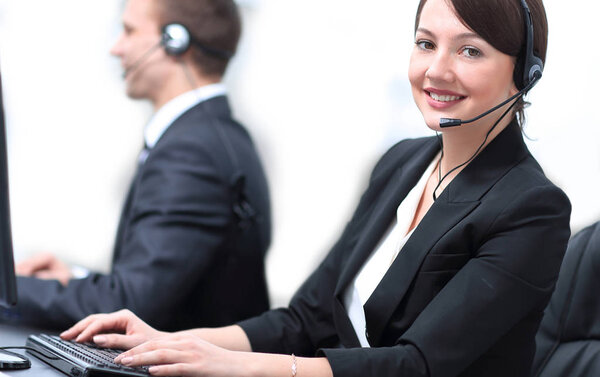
[(322, 86)]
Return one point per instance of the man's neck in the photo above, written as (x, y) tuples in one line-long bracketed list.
[(182, 81)]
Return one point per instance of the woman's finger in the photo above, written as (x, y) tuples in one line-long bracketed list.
[(77, 328), (178, 369), (118, 341), (98, 327), (157, 345), (139, 349), (156, 357)]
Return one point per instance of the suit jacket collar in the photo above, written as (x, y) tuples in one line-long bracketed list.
[(172, 110), (459, 198), (216, 107), (389, 196)]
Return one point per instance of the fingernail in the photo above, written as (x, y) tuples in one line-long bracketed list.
[(99, 339), (126, 360), (78, 338), (153, 369)]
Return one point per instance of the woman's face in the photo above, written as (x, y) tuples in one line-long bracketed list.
[(453, 72)]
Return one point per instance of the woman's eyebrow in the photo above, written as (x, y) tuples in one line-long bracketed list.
[(461, 36)]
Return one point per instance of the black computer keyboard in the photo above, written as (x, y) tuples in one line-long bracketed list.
[(80, 359)]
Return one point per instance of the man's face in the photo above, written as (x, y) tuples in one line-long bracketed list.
[(142, 58)]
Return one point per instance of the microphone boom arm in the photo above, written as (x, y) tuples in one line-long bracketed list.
[(453, 122)]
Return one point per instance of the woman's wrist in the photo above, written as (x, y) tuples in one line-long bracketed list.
[(273, 365), (267, 365)]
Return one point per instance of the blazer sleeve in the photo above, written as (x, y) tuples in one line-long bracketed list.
[(512, 275), (307, 323), (179, 220)]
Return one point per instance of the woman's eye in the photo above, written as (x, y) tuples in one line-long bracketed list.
[(471, 52), (425, 45)]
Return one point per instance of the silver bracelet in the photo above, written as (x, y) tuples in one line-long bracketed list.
[(294, 366)]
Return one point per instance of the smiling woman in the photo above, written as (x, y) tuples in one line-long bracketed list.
[(451, 255)]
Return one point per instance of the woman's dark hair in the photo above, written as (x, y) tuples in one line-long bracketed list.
[(214, 23), (501, 24)]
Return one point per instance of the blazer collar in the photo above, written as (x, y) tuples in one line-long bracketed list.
[(459, 198), (169, 112), (388, 197)]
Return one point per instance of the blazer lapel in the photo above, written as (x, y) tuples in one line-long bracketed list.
[(441, 217), (459, 198), (390, 197)]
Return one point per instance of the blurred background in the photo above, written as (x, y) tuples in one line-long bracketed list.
[(320, 84)]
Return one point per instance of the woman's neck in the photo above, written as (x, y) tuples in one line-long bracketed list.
[(460, 144)]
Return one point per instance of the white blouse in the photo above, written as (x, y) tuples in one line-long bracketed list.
[(371, 273)]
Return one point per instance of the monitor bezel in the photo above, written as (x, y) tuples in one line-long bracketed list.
[(8, 284)]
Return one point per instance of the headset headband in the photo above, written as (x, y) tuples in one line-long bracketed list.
[(532, 65)]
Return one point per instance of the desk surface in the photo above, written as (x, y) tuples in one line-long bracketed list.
[(17, 336)]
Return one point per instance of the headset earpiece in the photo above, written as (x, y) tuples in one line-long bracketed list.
[(529, 66), (176, 39)]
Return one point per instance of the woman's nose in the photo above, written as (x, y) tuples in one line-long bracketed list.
[(441, 68)]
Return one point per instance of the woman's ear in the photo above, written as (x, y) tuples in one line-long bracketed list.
[(513, 87)]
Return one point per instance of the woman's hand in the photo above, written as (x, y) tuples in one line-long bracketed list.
[(122, 330), (183, 354), (187, 355)]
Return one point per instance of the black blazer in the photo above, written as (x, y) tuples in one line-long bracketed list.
[(183, 257), (465, 295)]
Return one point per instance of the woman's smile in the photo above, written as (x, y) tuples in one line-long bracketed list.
[(442, 99)]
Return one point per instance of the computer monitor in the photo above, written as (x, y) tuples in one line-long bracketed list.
[(8, 284)]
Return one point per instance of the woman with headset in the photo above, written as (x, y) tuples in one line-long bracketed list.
[(452, 253)]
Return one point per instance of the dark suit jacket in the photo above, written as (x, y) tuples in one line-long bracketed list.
[(182, 256), (464, 296), (568, 341)]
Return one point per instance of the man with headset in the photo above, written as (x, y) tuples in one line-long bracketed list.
[(195, 226)]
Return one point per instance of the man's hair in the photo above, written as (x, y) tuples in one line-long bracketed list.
[(214, 23)]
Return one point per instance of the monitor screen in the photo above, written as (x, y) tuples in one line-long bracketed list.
[(8, 285)]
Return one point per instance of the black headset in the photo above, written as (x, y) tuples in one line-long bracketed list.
[(529, 67), (176, 40)]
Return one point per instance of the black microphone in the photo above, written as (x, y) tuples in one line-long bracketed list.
[(141, 59), (452, 122)]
